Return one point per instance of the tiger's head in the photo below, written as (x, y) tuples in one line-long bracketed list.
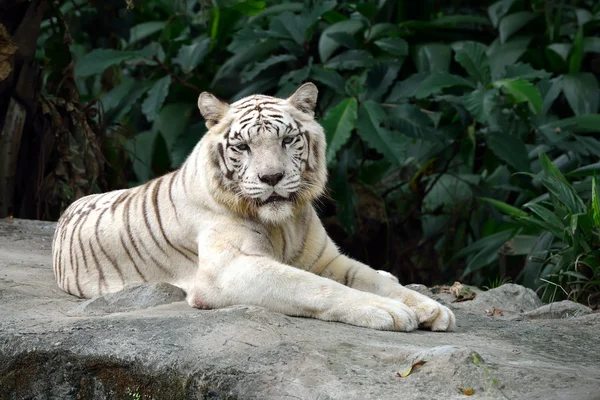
[(267, 155)]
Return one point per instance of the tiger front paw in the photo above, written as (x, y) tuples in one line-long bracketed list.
[(375, 312), (432, 315)]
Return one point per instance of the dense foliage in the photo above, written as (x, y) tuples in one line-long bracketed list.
[(429, 114)]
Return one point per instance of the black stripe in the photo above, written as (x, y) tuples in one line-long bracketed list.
[(100, 273), (171, 195), (110, 259), (128, 227), (131, 258), (147, 221), (159, 219)]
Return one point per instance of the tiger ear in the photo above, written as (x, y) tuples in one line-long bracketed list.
[(305, 98), (211, 108)]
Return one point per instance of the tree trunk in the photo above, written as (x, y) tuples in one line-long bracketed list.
[(20, 84)]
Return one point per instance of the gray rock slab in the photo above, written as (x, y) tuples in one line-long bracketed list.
[(559, 309), (167, 350)]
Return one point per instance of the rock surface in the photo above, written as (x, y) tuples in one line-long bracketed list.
[(55, 346)]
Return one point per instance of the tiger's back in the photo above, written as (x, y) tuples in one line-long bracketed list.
[(106, 241)]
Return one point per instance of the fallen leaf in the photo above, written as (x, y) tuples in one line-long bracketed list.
[(462, 292), (466, 391), (410, 369)]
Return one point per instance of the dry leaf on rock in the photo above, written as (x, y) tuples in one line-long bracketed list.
[(410, 369)]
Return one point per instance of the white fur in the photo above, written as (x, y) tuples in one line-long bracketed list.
[(224, 248)]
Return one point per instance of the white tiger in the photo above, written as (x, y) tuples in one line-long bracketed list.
[(235, 225)]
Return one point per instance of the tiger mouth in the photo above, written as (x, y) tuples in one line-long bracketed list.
[(275, 198)]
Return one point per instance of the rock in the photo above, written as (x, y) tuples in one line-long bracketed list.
[(132, 297), (507, 300), (559, 309), (168, 350)]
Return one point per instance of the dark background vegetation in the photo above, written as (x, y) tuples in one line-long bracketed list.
[(463, 135)]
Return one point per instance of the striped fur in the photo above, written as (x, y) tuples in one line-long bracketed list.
[(235, 225)]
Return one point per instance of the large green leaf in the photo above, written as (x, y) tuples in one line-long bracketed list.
[(369, 128), (156, 97), (514, 22), (290, 26), (473, 58), (409, 120), (576, 56), (525, 71), (432, 57), (244, 57), (343, 194), (404, 90), (144, 30), (549, 220), (564, 193), (380, 78), (185, 143), (351, 59), (329, 78), (259, 67), (522, 91), (480, 103), (338, 123), (189, 57), (510, 149), (141, 148), (172, 120), (327, 45), (436, 81), (96, 61), (498, 10), (581, 124), (504, 207), (591, 44), (503, 54), (582, 93), (393, 45)]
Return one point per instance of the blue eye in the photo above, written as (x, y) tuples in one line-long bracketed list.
[(242, 147), (287, 140)]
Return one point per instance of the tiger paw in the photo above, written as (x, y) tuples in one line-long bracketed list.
[(432, 315), (376, 312)]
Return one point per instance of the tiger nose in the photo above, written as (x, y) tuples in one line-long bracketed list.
[(272, 179)]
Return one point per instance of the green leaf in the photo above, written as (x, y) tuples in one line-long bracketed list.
[(351, 59), (384, 29), (510, 149), (343, 194), (495, 241), (591, 44), (338, 123), (522, 91), (435, 82), (582, 93), (473, 58), (141, 147), (504, 207), (595, 206), (189, 57), (576, 56), (409, 120), (432, 57), (498, 10), (156, 97), (404, 90), (380, 78), (512, 23), (535, 260), (393, 45), (172, 120), (96, 61), (581, 124), (185, 143), (257, 68), (549, 168), (587, 170), (549, 219), (244, 57), (503, 54), (564, 193), (344, 39), (144, 30), (327, 45), (290, 26), (329, 78), (525, 71), (480, 103), (371, 116)]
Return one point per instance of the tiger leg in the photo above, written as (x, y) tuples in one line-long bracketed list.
[(261, 281), (431, 314)]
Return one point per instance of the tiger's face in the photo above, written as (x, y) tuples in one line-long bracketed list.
[(268, 153)]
